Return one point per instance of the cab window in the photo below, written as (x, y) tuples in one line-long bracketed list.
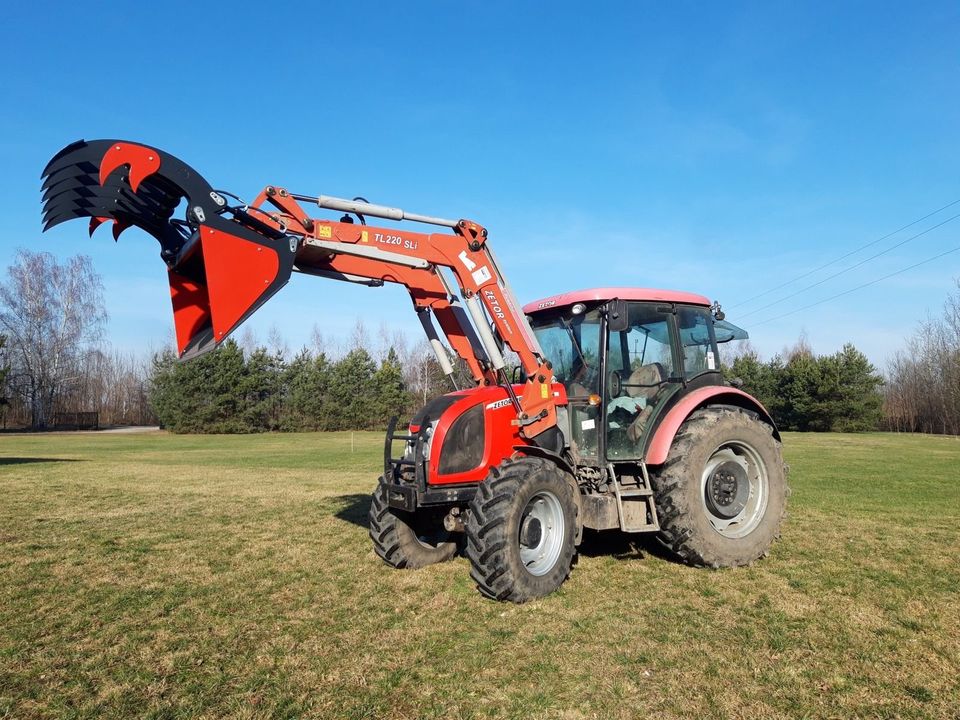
[(697, 341), (572, 344)]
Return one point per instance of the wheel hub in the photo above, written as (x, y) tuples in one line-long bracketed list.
[(531, 531), (728, 489)]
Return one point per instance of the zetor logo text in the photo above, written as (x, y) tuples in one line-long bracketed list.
[(496, 307), (494, 303)]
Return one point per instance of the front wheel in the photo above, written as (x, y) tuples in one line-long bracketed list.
[(721, 494), (407, 540), (521, 530)]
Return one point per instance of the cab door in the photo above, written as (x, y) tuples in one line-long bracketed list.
[(643, 372)]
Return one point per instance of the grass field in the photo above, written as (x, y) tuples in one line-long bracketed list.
[(163, 576)]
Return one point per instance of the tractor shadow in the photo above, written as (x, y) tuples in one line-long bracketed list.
[(621, 545), (607, 543), (27, 461), (353, 509)]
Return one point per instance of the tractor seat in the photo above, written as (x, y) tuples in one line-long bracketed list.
[(645, 382)]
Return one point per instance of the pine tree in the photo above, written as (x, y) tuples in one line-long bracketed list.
[(860, 398), (261, 390), (392, 397), (202, 395), (306, 382), (797, 389), (758, 378), (352, 398)]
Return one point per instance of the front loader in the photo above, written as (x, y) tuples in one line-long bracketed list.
[(617, 417)]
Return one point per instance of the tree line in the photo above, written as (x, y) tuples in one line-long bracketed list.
[(803, 391), (54, 363), (229, 391)]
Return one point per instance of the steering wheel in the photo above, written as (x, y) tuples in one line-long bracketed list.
[(614, 384)]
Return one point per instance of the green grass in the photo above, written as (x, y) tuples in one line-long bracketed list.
[(162, 576)]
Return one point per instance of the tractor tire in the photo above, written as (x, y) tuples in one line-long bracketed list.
[(521, 530), (407, 540), (721, 495)]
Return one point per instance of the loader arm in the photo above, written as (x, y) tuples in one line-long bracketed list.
[(225, 261), (428, 293), (395, 252)]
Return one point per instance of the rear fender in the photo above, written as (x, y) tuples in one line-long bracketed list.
[(662, 439)]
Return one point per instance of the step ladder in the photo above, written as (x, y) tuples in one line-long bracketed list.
[(635, 506)]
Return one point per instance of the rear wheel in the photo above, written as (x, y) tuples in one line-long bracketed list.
[(407, 540), (721, 494), (521, 530)]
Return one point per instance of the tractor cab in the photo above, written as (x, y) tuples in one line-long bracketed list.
[(625, 355)]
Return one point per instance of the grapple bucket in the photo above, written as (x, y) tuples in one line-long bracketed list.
[(222, 262)]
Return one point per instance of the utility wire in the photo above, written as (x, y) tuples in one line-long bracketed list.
[(843, 257), (859, 287), (852, 267)]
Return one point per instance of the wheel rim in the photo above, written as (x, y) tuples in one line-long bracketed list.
[(735, 489), (541, 533)]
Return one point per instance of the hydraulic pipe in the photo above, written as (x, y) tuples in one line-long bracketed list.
[(442, 358), (483, 332), (365, 208)]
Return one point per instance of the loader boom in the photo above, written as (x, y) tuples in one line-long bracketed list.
[(224, 261)]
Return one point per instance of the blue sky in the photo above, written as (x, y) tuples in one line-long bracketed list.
[(723, 148)]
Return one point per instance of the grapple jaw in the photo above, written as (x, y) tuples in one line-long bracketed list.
[(222, 263)]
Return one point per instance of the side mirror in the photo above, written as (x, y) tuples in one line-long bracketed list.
[(618, 318)]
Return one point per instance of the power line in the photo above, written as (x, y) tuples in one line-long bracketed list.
[(852, 267), (859, 287), (843, 257)]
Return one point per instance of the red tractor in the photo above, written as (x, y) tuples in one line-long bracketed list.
[(617, 416)]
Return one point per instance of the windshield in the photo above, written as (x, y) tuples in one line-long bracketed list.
[(572, 344)]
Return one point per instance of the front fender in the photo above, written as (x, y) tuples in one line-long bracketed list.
[(659, 444)]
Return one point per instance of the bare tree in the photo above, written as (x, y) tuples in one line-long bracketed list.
[(114, 384), (4, 369), (247, 340), (52, 314), (276, 344), (923, 387)]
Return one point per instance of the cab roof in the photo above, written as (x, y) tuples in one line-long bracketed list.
[(610, 293)]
